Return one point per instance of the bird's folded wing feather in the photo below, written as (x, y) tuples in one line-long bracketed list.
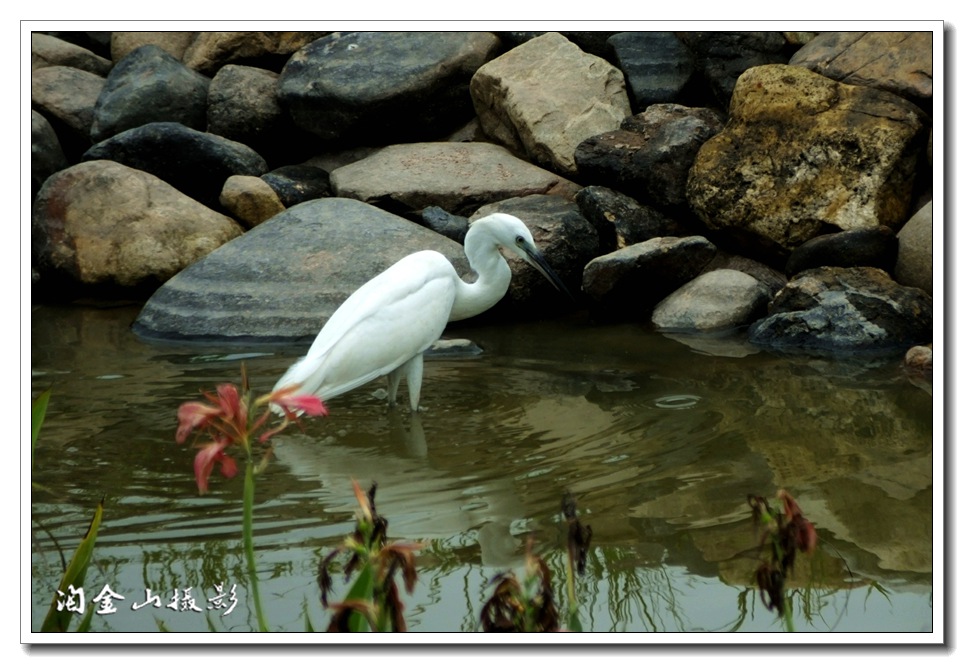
[(382, 325)]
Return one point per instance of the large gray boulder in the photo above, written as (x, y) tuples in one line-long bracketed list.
[(283, 279), (457, 177)]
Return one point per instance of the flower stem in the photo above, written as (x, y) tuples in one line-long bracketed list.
[(248, 536)]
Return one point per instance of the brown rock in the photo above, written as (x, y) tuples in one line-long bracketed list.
[(102, 224), (801, 151)]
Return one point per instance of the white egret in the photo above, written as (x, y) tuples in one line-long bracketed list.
[(385, 326)]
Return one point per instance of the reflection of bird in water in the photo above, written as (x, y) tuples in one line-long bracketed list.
[(385, 326)]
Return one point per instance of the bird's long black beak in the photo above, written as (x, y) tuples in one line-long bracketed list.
[(538, 261)]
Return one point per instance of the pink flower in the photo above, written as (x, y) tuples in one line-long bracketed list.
[(206, 458), (290, 401), (226, 419)]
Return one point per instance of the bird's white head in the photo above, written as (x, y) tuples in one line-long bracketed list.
[(509, 232)]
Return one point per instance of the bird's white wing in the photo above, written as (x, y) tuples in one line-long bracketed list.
[(382, 325)]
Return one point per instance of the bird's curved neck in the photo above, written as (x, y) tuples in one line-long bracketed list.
[(493, 280)]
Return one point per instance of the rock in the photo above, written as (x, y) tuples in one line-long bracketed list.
[(283, 279), (717, 300), (242, 105), (845, 309), (872, 247), (920, 359), (47, 51), (769, 278), (210, 51), (250, 200), (372, 88), (629, 282), (457, 177), (650, 155), (563, 236), (835, 154), (657, 66), (298, 183), (97, 42), (175, 43), (66, 97), (595, 42), (109, 228), (621, 221), (451, 226), (898, 62), (544, 97), (722, 57), (195, 162), (915, 252), (46, 155), (149, 85)]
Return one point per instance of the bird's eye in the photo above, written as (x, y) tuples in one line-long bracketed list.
[(519, 240)]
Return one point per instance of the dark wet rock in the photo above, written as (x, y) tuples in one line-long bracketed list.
[(564, 237), (871, 247), (457, 177), (717, 300), (282, 280), (298, 183), (650, 155), (452, 226), (845, 309), (801, 152), (544, 97), (149, 85), (95, 41), (66, 97), (84, 242), (898, 62), (47, 51), (657, 66), (376, 87), (46, 155), (722, 57), (915, 254), (630, 281), (197, 163), (242, 105), (621, 221)]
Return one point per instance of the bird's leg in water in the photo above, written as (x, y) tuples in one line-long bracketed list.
[(394, 378), (412, 371), (413, 377)]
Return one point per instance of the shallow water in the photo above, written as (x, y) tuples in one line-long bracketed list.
[(659, 442)]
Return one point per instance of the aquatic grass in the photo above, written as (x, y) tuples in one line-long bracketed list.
[(528, 605), (372, 603), (784, 534), (72, 582)]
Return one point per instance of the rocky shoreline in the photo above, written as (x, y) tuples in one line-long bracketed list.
[(243, 184)]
